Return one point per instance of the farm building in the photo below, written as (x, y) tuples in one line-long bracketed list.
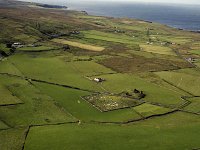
[(17, 45), (99, 79)]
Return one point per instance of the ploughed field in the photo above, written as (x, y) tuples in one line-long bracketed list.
[(74, 81)]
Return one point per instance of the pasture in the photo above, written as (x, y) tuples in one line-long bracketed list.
[(187, 82), (7, 67), (117, 83), (7, 98), (194, 106), (111, 37), (36, 108), (53, 70), (71, 101), (170, 132)]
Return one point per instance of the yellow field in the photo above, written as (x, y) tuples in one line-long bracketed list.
[(80, 45), (157, 49)]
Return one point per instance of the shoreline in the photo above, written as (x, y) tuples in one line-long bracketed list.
[(147, 21), (109, 16)]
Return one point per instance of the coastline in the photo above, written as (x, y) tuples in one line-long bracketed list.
[(61, 7)]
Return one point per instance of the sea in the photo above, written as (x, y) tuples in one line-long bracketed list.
[(180, 16)]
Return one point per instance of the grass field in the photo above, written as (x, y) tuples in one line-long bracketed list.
[(7, 97), (148, 110), (187, 82), (154, 134), (71, 100), (157, 49), (89, 68), (7, 67), (79, 45), (117, 83), (111, 37), (12, 138), (3, 126), (53, 70), (194, 106), (175, 39), (37, 107)]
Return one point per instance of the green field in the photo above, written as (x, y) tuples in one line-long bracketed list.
[(111, 37), (148, 110), (171, 132), (12, 138), (187, 82), (72, 102), (158, 49), (3, 126), (7, 97), (117, 83), (194, 106), (37, 107), (7, 67), (52, 70)]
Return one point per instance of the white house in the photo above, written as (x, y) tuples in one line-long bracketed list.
[(17, 45), (98, 79)]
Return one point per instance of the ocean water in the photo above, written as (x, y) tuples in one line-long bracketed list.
[(175, 15)]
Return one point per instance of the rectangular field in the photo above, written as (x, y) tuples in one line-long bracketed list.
[(148, 110), (79, 45), (185, 81), (162, 133), (157, 49)]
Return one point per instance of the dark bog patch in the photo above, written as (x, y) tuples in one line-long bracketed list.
[(142, 64)]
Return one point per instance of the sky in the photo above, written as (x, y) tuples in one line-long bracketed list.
[(158, 1), (193, 2)]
